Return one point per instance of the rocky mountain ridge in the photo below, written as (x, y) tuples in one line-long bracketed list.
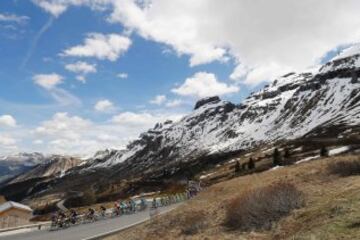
[(13, 165), (322, 103), (291, 107)]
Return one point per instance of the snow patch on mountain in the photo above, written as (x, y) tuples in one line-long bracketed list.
[(291, 107)]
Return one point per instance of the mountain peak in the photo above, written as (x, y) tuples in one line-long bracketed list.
[(207, 100)]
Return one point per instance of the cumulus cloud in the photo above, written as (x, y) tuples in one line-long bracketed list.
[(81, 68), (259, 74), (101, 46), (4, 17), (104, 105), (7, 121), (158, 100), (48, 81), (55, 8), (122, 75), (204, 84), (286, 34), (174, 103), (64, 133), (71, 134), (64, 125), (7, 141), (143, 120)]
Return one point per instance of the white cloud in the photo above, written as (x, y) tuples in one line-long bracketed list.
[(69, 134), (158, 100), (259, 74), (110, 47), (122, 75), (64, 98), (204, 84), (81, 78), (81, 67), (38, 142), (104, 105), (4, 17), (7, 141), (55, 8), (143, 120), (48, 81), (7, 121), (290, 34), (174, 103), (62, 124)]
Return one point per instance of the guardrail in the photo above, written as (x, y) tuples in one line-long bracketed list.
[(36, 225)]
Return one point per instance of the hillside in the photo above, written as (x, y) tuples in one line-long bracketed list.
[(331, 210), (36, 174), (53, 166), (13, 165), (318, 107), (291, 107)]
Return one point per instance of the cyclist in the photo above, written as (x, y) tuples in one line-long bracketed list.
[(154, 203), (103, 210), (91, 214), (73, 216)]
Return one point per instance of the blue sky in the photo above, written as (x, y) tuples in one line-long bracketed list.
[(81, 75)]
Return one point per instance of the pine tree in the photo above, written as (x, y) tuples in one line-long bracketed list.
[(251, 164), (324, 152), (287, 156), (237, 167), (277, 159), (287, 153)]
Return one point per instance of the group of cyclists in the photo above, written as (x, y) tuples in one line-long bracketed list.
[(63, 219)]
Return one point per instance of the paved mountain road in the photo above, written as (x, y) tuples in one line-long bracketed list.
[(85, 231)]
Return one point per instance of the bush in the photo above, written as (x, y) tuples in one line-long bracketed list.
[(287, 153), (260, 208), (277, 158), (345, 168), (192, 222), (237, 167), (324, 152), (251, 163)]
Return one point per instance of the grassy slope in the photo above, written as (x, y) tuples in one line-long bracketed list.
[(332, 208)]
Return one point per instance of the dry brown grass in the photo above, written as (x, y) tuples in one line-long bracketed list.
[(331, 212), (345, 168), (261, 207)]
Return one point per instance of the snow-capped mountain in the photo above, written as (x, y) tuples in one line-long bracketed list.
[(323, 103), (291, 107), (53, 166), (23, 166), (16, 164)]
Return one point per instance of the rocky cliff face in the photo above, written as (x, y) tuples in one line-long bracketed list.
[(53, 166), (293, 106)]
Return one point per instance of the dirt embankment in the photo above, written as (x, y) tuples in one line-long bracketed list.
[(331, 207)]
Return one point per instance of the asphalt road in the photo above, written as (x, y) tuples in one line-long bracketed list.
[(85, 231)]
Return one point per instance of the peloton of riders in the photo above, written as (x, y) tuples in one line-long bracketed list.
[(62, 220)]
